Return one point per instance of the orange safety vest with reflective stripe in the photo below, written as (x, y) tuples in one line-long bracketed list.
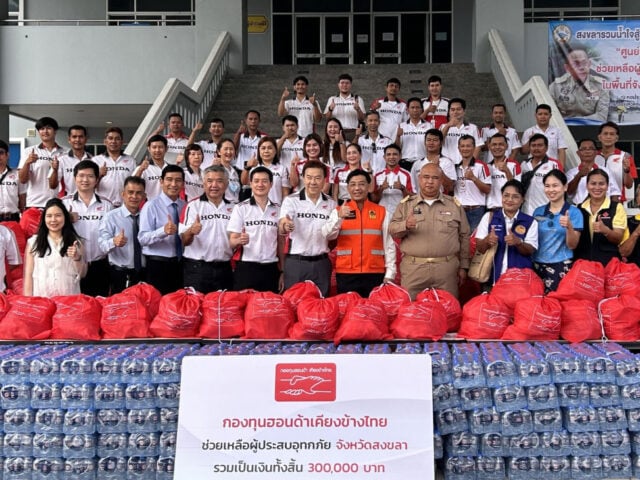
[(360, 246)]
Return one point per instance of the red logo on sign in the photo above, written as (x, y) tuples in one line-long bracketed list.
[(305, 382)]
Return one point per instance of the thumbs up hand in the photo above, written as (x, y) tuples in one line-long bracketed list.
[(55, 163), (411, 222), (196, 227), (288, 224), (600, 227), (74, 215), (120, 240), (244, 237), (492, 238), (145, 164), (565, 221), (74, 251), (170, 228), (33, 156)]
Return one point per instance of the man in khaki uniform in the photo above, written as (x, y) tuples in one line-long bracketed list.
[(434, 236)]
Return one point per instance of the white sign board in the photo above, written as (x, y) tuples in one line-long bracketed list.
[(302, 417)]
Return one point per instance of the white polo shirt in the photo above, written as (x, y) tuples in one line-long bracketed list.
[(209, 149), (344, 111), (392, 114), (9, 253), (112, 184), (535, 194), (513, 141), (447, 166), (152, 176), (439, 117), (303, 111), (413, 138), (262, 228), (66, 164), (556, 140), (613, 163), (212, 243), (340, 182), (88, 224), (38, 191), (308, 217), (450, 144), (498, 179), (290, 149), (466, 191), (247, 148), (373, 150), (391, 197), (581, 192), (193, 184), (175, 147), (10, 189)]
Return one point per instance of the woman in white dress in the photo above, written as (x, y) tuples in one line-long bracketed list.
[(53, 259)]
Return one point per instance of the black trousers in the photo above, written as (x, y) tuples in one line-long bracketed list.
[(121, 278), (207, 277), (362, 283), (164, 273), (263, 277), (298, 269), (96, 281)]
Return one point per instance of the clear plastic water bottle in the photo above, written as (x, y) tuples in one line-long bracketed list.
[(585, 443), (112, 444), (18, 445), (581, 419), (549, 420), (615, 442), (451, 420), (555, 444), (77, 368), (509, 397), (15, 395), (165, 468), (18, 468), (493, 445), (112, 468), (485, 420), (587, 468), (542, 397), (460, 468), (168, 394), (48, 469), (573, 394), (80, 468), (523, 468), (531, 366), (77, 395), (630, 396), (438, 446), (604, 395), (555, 468), (616, 466), (475, 397), (167, 444), (517, 422), (445, 396), (440, 362), (143, 444), (107, 368), (79, 421), (143, 420), (524, 445), (633, 416), (109, 395), (79, 446), (19, 420), (48, 420), (46, 395), (141, 468), (498, 364), (168, 419), (462, 444), (47, 445), (611, 418), (467, 367), (140, 395), (111, 420), (490, 468)]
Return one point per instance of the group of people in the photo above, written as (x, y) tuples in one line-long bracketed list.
[(263, 212)]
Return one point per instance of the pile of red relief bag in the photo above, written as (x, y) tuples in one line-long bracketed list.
[(300, 313), (591, 302)]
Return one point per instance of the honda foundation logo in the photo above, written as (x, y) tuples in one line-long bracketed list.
[(305, 382)]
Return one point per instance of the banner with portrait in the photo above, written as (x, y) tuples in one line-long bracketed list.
[(594, 70)]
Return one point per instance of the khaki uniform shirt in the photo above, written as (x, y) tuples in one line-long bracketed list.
[(442, 228), (589, 101)]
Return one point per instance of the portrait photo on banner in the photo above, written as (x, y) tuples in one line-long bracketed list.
[(594, 71)]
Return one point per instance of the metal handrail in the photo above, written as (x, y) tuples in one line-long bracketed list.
[(193, 103), (521, 99)]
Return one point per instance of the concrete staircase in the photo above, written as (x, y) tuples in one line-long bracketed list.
[(260, 88)]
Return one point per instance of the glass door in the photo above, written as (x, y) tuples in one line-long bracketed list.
[(386, 45)]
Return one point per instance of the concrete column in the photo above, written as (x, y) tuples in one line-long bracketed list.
[(212, 18)]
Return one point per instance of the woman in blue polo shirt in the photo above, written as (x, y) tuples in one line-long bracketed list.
[(559, 227)]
